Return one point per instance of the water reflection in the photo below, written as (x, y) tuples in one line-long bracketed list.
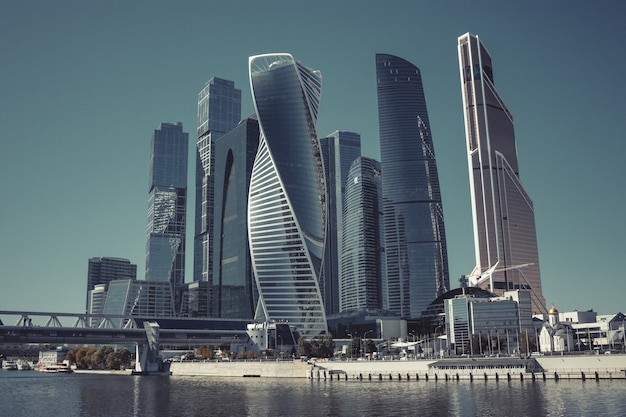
[(33, 394)]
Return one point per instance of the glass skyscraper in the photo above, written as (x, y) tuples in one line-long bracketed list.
[(102, 270), (415, 240), (139, 298), (339, 150), (505, 238), (219, 110), (287, 207), (165, 257), (362, 277), (232, 291)]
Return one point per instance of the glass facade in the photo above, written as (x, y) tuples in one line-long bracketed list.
[(339, 150), (232, 291), (458, 324), (139, 298), (415, 240), (165, 255), (219, 110), (503, 214), (286, 206), (494, 321), (103, 270), (363, 263)]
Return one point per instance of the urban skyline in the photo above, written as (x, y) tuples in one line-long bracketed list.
[(120, 85)]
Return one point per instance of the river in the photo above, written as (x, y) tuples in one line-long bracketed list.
[(30, 393)]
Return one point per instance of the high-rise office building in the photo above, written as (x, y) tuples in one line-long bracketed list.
[(339, 150), (102, 270), (286, 206), (219, 110), (415, 240), (95, 303), (505, 238), (362, 277), (139, 298), (232, 289), (165, 258)]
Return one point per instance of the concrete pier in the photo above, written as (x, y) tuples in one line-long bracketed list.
[(589, 367)]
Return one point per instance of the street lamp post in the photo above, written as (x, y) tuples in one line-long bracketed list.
[(498, 337), (351, 345), (363, 340)]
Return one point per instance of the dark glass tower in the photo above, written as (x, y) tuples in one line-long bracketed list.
[(103, 270), (505, 238), (415, 240), (219, 110), (165, 258), (286, 206), (362, 275), (339, 150), (232, 292)]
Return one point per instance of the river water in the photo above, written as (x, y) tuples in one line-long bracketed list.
[(31, 393)]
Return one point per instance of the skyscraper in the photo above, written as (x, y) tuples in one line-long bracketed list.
[(362, 277), (232, 292), (287, 207), (504, 219), (339, 150), (219, 110), (139, 298), (165, 257), (415, 240), (102, 271)]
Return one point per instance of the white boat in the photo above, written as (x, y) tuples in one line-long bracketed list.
[(9, 365), (58, 368), (23, 365)]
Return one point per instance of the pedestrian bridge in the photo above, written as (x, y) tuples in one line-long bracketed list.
[(70, 328), (147, 334)]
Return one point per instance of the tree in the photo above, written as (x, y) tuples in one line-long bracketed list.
[(319, 347), (370, 346), (83, 357), (304, 348), (118, 359), (99, 357), (205, 352)]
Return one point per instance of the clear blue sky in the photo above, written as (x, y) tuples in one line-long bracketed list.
[(83, 84)]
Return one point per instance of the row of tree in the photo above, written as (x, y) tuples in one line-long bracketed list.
[(99, 358), (321, 347)]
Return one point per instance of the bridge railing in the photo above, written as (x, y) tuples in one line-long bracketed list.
[(77, 320)]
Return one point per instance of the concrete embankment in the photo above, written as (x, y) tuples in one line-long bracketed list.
[(266, 369), (550, 367)]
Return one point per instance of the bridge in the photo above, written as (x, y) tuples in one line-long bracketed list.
[(147, 334)]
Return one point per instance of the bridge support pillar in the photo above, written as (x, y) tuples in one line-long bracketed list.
[(147, 355)]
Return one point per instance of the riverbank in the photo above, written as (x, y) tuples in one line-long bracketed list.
[(546, 367)]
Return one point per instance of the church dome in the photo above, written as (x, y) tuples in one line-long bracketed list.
[(553, 311)]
